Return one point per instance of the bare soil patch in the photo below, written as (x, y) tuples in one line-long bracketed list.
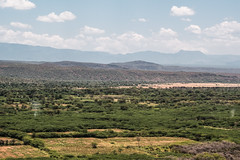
[(187, 85)]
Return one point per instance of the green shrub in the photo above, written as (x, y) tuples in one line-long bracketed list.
[(209, 156), (94, 145)]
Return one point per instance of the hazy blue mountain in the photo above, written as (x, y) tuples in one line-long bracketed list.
[(20, 52)]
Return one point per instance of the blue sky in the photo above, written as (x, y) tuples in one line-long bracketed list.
[(124, 26)]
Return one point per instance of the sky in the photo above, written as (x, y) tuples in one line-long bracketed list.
[(124, 26)]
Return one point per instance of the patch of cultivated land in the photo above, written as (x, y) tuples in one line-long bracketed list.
[(21, 151), (83, 146)]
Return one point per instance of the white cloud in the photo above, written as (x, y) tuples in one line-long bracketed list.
[(116, 43), (164, 40), (142, 20), (167, 32), (40, 38), (132, 36), (91, 31), (17, 4), (30, 38), (52, 17), (186, 19), (223, 38), (168, 41), (110, 44), (194, 29), (20, 25), (7, 35), (224, 30), (123, 43), (182, 11)]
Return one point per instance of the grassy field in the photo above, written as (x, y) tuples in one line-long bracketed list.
[(84, 146)]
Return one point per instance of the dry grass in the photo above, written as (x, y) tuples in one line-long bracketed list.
[(149, 104), (89, 130), (217, 128), (83, 146), (21, 152), (101, 130)]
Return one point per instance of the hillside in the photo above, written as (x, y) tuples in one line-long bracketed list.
[(52, 71)]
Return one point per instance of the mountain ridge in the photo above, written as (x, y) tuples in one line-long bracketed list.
[(132, 65), (62, 71), (19, 52), (148, 66)]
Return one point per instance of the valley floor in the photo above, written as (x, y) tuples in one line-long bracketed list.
[(44, 121)]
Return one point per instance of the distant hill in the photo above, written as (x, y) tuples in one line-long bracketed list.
[(140, 65), (146, 66), (72, 71), (133, 65), (18, 52)]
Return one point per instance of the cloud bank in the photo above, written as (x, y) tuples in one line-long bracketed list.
[(20, 25), (222, 38)]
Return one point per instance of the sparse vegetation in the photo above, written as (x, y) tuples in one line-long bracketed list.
[(74, 73)]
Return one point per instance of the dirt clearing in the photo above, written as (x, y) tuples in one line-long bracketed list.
[(190, 85)]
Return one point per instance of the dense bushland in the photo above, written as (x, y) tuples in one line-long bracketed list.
[(201, 114)]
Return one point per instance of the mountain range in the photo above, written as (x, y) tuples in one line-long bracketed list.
[(19, 52)]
